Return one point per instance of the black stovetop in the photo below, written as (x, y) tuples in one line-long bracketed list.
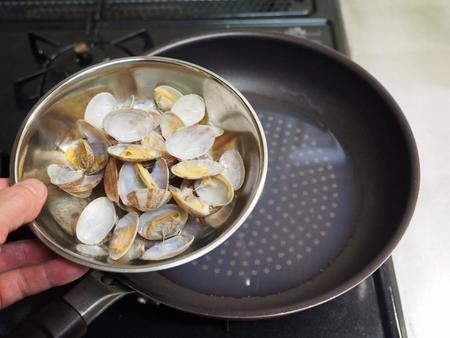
[(371, 309)]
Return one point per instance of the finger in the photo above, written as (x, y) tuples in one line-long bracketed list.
[(20, 204), (4, 183), (22, 282), (23, 253)]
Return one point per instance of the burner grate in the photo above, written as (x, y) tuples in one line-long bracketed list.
[(58, 62)]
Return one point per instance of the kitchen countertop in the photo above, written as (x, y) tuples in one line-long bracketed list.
[(406, 46)]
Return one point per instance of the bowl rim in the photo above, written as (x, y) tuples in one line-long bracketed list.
[(157, 265)]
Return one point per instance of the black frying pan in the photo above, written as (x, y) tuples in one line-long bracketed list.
[(342, 184)]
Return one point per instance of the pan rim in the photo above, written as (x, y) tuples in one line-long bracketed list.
[(411, 200)]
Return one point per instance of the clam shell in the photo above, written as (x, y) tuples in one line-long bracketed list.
[(128, 181), (128, 125), (195, 169), (80, 155), (168, 248), (98, 107), (64, 176), (111, 180), (148, 199), (234, 168), (155, 141), (163, 223), (190, 142), (215, 191), (218, 218), (160, 173), (133, 152), (165, 97), (145, 176), (87, 184), (96, 221), (135, 251), (169, 124), (188, 201), (189, 108), (123, 235), (92, 250)]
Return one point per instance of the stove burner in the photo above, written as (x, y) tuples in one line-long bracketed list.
[(58, 62)]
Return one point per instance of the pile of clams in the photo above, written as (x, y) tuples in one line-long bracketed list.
[(162, 169)]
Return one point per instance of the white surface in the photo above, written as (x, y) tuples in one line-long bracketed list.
[(406, 46)]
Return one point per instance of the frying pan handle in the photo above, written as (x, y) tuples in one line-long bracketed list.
[(70, 316)]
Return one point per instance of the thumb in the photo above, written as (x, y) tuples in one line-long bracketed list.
[(20, 204)]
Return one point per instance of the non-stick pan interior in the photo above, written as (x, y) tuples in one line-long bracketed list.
[(338, 191)]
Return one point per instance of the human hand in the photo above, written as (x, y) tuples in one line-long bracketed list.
[(27, 267)]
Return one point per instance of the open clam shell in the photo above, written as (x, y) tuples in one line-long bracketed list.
[(123, 235), (98, 107), (128, 181), (96, 221), (165, 97), (216, 190), (160, 173), (234, 169), (188, 201), (169, 124), (168, 248), (190, 142), (195, 169), (133, 152), (64, 176), (189, 108), (163, 223), (128, 125), (92, 250), (111, 180), (85, 187), (80, 155)]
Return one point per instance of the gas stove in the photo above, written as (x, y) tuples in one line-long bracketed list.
[(54, 42)]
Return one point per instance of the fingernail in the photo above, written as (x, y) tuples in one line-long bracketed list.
[(36, 187)]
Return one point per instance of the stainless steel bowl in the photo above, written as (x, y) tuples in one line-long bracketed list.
[(55, 114)]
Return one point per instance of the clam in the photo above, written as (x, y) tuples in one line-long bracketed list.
[(64, 176), (190, 142), (168, 248), (188, 201), (128, 125), (169, 124), (92, 250), (98, 143), (133, 152), (148, 199), (163, 223), (128, 181), (111, 180), (217, 131), (98, 107), (215, 190), (234, 170), (96, 221), (135, 251), (165, 97), (123, 235), (189, 108), (160, 173), (80, 155), (195, 169), (155, 141), (145, 176), (88, 183)]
